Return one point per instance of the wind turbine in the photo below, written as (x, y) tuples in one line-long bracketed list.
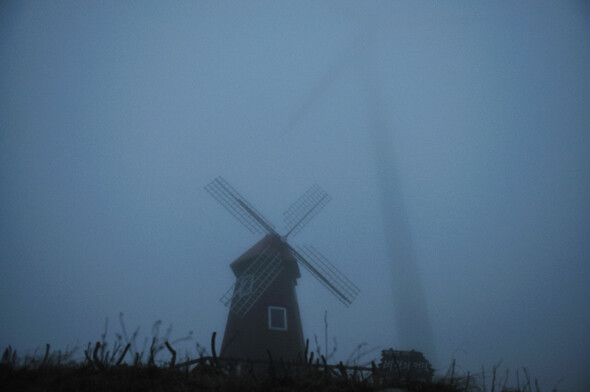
[(409, 301)]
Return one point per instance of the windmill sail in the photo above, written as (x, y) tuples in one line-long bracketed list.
[(252, 283), (304, 209), (326, 273), (243, 211)]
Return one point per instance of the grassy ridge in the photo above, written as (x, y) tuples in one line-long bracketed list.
[(106, 370), (215, 374)]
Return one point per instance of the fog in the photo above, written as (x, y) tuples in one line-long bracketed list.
[(453, 138)]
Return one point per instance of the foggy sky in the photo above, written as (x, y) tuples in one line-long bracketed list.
[(114, 116)]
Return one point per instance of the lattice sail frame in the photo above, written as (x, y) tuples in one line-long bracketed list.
[(258, 276), (326, 273), (304, 209), (243, 211)]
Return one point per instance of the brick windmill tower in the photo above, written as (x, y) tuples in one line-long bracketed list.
[(264, 313)]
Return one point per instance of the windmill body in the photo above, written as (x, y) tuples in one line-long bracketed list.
[(264, 313), (273, 322)]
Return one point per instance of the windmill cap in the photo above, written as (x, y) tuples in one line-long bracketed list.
[(276, 242)]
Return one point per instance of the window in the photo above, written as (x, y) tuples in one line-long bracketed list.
[(245, 285), (277, 318)]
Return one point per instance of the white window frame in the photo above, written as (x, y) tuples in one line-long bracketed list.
[(245, 285), (275, 328)]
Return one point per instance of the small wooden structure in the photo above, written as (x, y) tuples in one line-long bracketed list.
[(405, 366)]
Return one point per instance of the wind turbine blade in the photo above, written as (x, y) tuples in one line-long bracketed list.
[(304, 209), (253, 282), (323, 85), (326, 273), (243, 211)]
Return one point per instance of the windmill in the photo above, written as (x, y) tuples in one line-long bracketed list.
[(264, 314)]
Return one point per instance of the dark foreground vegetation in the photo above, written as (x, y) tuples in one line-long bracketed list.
[(103, 370)]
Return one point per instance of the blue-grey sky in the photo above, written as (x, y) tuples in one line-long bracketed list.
[(113, 117)]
